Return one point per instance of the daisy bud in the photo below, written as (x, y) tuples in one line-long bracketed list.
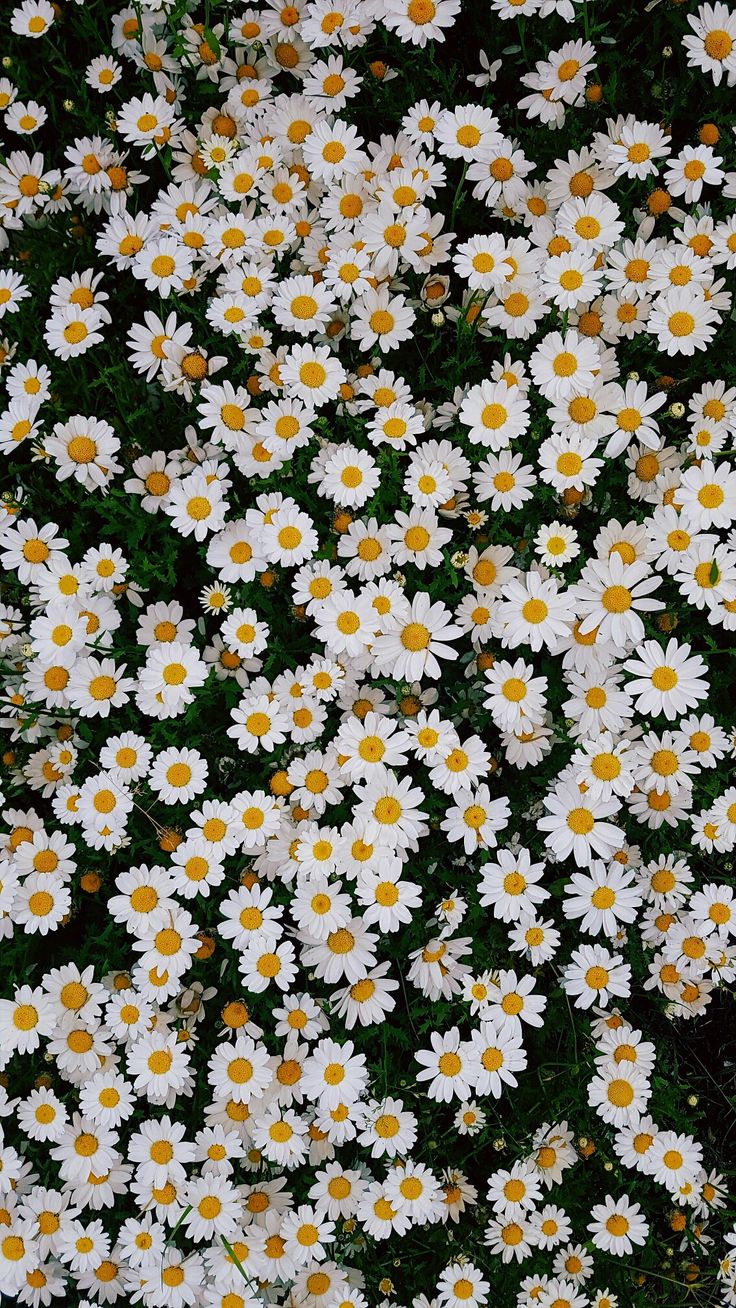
[(666, 621), (280, 784), (235, 1014), (677, 410), (207, 945), (438, 318), (667, 52), (659, 201), (69, 105)]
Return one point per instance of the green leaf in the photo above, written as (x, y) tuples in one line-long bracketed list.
[(212, 41), (174, 1230), (248, 1280)]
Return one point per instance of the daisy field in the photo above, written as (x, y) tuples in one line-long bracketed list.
[(367, 635)]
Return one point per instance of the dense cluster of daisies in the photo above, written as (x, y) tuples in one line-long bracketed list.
[(292, 267)]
